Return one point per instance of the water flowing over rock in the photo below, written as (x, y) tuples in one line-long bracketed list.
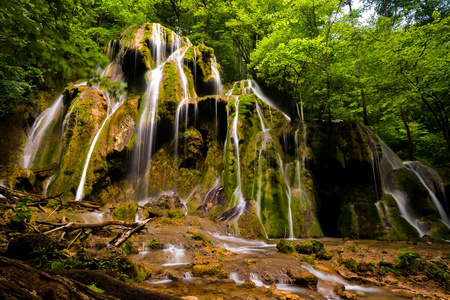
[(232, 156)]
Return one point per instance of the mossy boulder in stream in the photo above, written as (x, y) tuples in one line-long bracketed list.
[(125, 211)]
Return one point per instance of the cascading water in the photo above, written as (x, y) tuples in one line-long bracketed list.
[(176, 256), (424, 173), (114, 70), (237, 197), (388, 164), (258, 92), (216, 76), (289, 197), (43, 123), (147, 126)]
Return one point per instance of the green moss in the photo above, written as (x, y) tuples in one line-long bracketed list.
[(211, 269), (155, 244), (416, 192), (84, 121), (347, 222), (125, 211), (284, 246), (197, 235), (313, 247)]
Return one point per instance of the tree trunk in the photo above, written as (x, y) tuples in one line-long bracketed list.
[(358, 66), (408, 132)]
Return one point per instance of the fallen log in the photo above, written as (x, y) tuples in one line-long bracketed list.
[(85, 204), (125, 235), (72, 225)]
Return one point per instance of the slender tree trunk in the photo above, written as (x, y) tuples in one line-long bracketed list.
[(358, 66), (408, 132)]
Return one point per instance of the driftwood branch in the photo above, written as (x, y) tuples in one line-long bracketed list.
[(72, 225), (117, 241), (126, 234), (86, 204)]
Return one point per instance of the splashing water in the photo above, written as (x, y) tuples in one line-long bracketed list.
[(176, 256), (235, 276)]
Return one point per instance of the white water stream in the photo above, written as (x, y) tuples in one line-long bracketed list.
[(176, 256), (38, 130)]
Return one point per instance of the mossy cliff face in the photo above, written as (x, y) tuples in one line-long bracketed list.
[(83, 123), (271, 176), (344, 179)]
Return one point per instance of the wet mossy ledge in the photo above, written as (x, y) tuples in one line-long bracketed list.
[(233, 158)]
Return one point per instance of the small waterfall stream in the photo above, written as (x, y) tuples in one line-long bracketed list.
[(42, 124), (113, 105), (421, 171), (389, 163), (237, 197)]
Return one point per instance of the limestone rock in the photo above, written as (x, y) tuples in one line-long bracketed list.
[(126, 211)]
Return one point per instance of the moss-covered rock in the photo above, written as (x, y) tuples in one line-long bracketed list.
[(304, 279), (168, 205), (125, 211), (84, 122), (416, 192), (19, 178), (284, 246)]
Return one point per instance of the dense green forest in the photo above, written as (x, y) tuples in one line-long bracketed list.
[(390, 71)]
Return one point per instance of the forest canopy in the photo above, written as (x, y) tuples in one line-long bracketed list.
[(390, 70)]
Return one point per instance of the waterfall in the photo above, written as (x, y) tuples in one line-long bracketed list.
[(237, 199), (114, 70), (43, 122), (216, 76), (389, 163), (147, 125), (184, 102), (258, 92), (424, 173)]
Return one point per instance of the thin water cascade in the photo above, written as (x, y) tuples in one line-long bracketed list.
[(374, 158), (237, 197), (38, 130), (216, 75), (419, 170), (219, 90), (183, 104), (335, 278), (258, 92), (289, 196), (147, 125), (389, 163), (46, 185), (114, 102), (235, 276), (255, 279), (266, 138)]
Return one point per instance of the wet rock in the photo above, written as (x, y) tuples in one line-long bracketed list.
[(19, 178), (303, 278), (125, 211), (339, 289), (168, 205)]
